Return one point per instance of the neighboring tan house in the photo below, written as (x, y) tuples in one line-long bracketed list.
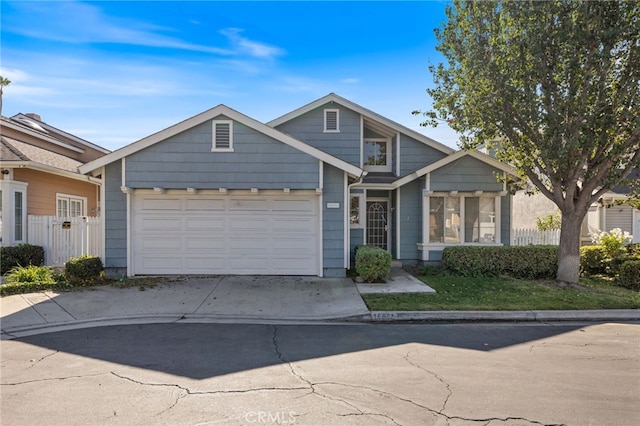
[(39, 165), (222, 193), (608, 213)]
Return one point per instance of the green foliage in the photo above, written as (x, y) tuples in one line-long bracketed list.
[(593, 260), (20, 255), (550, 222), (553, 84), (373, 263), (612, 242), (517, 262), (83, 270), (30, 274), (629, 274)]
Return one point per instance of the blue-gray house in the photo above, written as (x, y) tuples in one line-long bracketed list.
[(222, 193)]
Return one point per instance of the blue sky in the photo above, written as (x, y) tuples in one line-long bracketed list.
[(113, 72)]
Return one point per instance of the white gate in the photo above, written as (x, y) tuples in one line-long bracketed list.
[(64, 238)]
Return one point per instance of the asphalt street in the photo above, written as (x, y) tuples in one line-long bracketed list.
[(352, 374)]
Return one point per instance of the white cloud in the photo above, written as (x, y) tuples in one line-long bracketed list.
[(252, 48)]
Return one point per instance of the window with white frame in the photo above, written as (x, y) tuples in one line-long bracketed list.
[(453, 220), (222, 135), (70, 206), (19, 216), (356, 209), (377, 155), (331, 120)]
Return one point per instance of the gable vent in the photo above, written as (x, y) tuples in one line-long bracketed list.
[(331, 120), (222, 136)]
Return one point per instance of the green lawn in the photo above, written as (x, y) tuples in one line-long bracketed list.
[(505, 294)]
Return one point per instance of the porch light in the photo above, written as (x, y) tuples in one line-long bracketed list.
[(254, 191), (426, 192), (453, 193), (287, 190), (222, 190), (158, 190), (477, 193), (318, 191), (126, 190), (191, 190)]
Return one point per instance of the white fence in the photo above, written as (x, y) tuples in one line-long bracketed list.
[(64, 238), (526, 237)]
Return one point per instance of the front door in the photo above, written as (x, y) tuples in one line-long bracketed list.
[(378, 224)]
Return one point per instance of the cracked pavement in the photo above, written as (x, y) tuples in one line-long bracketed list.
[(243, 374)]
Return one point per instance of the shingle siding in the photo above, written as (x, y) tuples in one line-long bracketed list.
[(333, 222), (186, 160), (465, 174), (344, 144)]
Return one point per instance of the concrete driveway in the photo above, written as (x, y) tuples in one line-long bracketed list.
[(184, 298)]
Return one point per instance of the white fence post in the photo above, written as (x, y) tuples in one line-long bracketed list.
[(60, 243)]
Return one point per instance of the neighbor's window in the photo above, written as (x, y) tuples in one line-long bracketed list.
[(18, 216), (70, 206), (446, 218), (222, 135), (331, 120)]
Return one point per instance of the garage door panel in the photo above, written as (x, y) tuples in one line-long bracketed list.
[(205, 223), (160, 204), (231, 234), (196, 204)]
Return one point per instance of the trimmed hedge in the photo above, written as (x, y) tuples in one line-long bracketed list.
[(593, 260), (83, 270), (530, 262), (373, 263), (20, 255), (629, 274)]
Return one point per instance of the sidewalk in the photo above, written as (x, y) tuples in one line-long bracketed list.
[(244, 299)]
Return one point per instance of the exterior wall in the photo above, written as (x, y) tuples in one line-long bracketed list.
[(415, 155), (309, 128), (115, 216), (505, 219), (526, 208), (411, 219), (186, 160), (43, 187), (333, 223), (466, 174)]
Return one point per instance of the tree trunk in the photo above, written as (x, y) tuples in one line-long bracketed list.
[(569, 250)]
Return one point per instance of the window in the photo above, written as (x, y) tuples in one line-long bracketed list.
[(19, 216), (376, 155), (222, 136), (331, 120), (447, 214), (70, 206), (355, 211)]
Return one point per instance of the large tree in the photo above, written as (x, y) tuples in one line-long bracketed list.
[(555, 86)]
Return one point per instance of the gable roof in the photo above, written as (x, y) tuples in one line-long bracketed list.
[(209, 115), (451, 158), (372, 116)]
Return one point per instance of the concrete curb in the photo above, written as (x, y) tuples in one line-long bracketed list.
[(540, 316), (372, 317)]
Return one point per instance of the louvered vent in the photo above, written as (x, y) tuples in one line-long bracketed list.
[(331, 120)]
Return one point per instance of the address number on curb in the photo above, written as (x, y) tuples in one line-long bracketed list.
[(383, 315)]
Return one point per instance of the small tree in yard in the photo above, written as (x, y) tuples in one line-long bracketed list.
[(555, 85)]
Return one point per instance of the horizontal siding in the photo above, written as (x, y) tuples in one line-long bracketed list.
[(465, 174), (309, 128), (115, 214), (186, 160), (505, 219), (411, 220), (414, 155), (43, 187), (333, 222)]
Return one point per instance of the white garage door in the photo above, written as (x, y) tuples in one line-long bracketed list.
[(270, 233)]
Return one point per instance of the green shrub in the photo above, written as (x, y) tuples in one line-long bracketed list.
[(629, 274), (373, 263), (20, 255), (529, 262), (550, 222), (30, 274), (593, 260), (633, 250), (613, 241), (83, 270)]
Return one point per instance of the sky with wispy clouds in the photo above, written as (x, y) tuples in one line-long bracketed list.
[(113, 72)]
